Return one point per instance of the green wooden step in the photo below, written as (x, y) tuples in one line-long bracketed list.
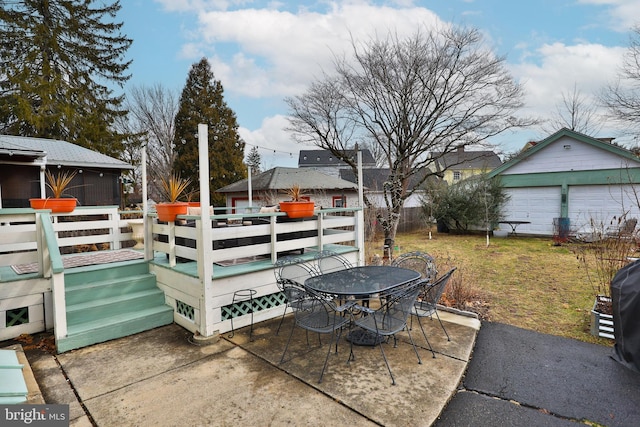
[(115, 270), (122, 325), (90, 291), (89, 311), (13, 388)]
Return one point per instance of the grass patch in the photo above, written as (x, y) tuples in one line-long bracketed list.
[(521, 281)]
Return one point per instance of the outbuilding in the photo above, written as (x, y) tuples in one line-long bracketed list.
[(570, 179)]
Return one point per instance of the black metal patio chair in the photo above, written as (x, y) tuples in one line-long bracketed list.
[(314, 312), (421, 262), (291, 270), (328, 261), (427, 303), (391, 317)]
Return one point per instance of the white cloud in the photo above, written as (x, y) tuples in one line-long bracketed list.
[(283, 51), (623, 13), (558, 67), (275, 145)]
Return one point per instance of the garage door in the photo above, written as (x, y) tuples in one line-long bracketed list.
[(540, 205), (602, 203)]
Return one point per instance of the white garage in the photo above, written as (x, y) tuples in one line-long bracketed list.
[(573, 176), (539, 205), (601, 203)]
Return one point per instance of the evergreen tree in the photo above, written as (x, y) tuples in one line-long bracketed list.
[(202, 101), (56, 59), (254, 160)]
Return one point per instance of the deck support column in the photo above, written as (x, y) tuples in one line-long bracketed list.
[(205, 268)]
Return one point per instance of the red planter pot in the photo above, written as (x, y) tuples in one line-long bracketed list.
[(297, 209), (168, 212), (63, 205)]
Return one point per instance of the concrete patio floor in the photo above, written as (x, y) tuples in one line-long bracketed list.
[(160, 377)]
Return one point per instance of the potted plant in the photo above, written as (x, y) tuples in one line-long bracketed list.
[(298, 206), (58, 184), (602, 253), (173, 188)]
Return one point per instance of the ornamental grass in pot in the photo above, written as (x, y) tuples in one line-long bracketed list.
[(173, 188), (58, 184), (299, 206)]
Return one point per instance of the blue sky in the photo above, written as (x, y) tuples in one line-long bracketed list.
[(263, 51)]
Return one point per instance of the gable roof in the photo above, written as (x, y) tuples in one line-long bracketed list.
[(281, 178), (564, 132), (324, 158), (373, 179), (56, 152), (461, 159)]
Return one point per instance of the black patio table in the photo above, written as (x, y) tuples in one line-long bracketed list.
[(514, 224), (361, 283)]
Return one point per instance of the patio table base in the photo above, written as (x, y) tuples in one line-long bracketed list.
[(364, 338)]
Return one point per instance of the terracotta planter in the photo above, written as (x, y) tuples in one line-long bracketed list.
[(194, 204), (167, 212), (56, 205), (297, 209)]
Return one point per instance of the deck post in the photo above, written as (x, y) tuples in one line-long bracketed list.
[(205, 268), (360, 213)]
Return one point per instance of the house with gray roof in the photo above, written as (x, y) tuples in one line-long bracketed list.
[(268, 188), (461, 164), (326, 162), (24, 161)]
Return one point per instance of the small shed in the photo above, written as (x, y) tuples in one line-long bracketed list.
[(268, 188), (570, 178), (24, 161)]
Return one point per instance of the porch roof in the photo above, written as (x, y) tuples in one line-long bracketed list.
[(57, 152)]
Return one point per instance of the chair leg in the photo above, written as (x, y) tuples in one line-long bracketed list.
[(425, 337), (414, 347), (281, 320), (288, 341), (445, 331), (393, 380), (337, 335)]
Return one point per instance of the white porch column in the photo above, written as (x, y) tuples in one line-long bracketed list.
[(360, 213), (205, 263)]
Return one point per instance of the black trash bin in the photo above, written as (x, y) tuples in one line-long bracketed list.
[(625, 298)]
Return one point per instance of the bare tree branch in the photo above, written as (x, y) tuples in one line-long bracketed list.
[(416, 99)]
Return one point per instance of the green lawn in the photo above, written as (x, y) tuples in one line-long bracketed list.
[(522, 281)]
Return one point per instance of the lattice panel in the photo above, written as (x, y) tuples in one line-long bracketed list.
[(185, 310), (261, 303), (17, 316)]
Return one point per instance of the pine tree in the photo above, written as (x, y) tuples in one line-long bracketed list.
[(56, 59), (202, 101), (253, 161)]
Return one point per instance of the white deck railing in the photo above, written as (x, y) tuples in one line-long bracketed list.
[(239, 236)]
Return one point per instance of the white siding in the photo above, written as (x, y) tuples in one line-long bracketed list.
[(602, 203), (556, 158), (540, 205)]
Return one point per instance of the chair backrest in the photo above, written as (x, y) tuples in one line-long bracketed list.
[(292, 270), (421, 262), (327, 261), (434, 292), (397, 307)]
